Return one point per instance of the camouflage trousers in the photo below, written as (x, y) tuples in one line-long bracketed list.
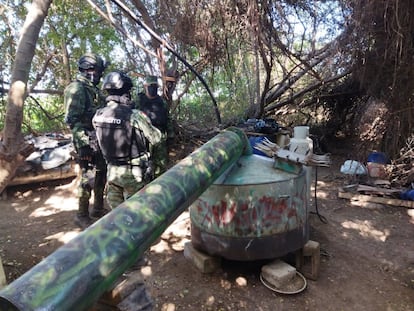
[(92, 180), (159, 156), (123, 182)]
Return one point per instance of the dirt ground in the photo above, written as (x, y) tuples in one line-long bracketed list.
[(367, 253)]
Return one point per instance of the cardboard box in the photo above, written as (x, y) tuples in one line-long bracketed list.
[(377, 170)]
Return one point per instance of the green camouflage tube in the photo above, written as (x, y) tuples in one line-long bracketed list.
[(79, 272)]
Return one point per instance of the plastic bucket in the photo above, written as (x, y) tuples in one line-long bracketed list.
[(378, 157)]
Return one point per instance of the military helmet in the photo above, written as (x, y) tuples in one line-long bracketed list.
[(149, 80), (117, 80), (91, 61)]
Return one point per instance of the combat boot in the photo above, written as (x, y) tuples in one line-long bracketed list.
[(83, 221), (98, 212)]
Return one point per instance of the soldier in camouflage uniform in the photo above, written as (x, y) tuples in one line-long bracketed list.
[(156, 109), (125, 136), (82, 98)]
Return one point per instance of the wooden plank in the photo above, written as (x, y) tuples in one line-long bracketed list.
[(61, 172), (378, 190), (374, 199), (292, 156)]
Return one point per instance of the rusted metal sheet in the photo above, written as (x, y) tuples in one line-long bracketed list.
[(79, 272), (257, 212)]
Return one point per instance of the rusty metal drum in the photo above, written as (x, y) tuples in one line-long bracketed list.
[(253, 211)]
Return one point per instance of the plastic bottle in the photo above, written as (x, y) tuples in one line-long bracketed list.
[(378, 157)]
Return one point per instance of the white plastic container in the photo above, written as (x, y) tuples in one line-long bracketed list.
[(301, 132), (301, 143)]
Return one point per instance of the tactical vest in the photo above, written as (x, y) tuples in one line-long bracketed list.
[(119, 141), (156, 110)]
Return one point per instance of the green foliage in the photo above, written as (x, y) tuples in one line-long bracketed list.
[(233, 101), (197, 107), (42, 115), (196, 110)]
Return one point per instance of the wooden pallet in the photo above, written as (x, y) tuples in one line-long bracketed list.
[(364, 198)]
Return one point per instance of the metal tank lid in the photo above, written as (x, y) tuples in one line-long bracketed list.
[(252, 170)]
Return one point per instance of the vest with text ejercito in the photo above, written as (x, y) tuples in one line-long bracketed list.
[(119, 141)]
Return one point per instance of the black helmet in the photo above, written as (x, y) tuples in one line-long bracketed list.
[(91, 61), (117, 82)]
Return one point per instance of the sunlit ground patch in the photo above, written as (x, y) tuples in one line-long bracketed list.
[(54, 205), (366, 229), (63, 236)]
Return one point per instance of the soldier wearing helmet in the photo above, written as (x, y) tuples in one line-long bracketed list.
[(125, 136), (92, 67), (82, 97), (157, 110)]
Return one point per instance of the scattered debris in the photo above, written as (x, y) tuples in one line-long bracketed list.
[(375, 194), (274, 150), (352, 167), (386, 182), (51, 160)]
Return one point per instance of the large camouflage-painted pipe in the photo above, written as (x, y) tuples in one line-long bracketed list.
[(79, 272)]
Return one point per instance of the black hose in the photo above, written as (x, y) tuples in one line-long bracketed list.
[(321, 217)]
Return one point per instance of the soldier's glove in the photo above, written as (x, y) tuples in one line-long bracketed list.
[(149, 171)]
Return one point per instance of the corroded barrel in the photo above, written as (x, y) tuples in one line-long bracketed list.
[(253, 211)]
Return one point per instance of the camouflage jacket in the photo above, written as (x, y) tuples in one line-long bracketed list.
[(141, 121), (82, 99)]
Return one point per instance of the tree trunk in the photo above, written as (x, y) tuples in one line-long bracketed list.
[(13, 149)]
